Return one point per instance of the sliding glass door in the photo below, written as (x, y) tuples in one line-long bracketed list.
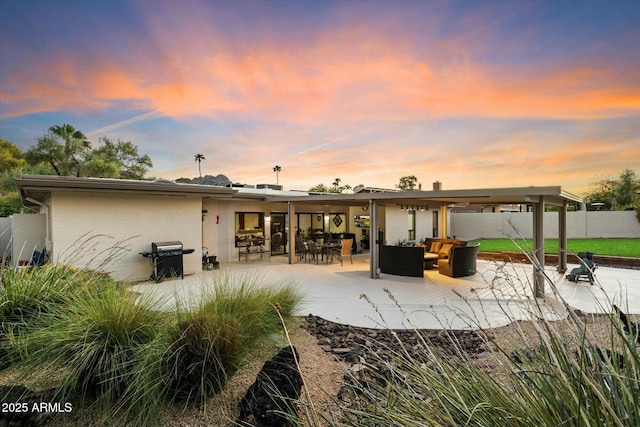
[(279, 233)]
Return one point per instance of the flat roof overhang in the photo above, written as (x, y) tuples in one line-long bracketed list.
[(553, 195), (38, 187)]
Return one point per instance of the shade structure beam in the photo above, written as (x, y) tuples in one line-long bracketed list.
[(374, 245), (562, 238), (291, 242), (538, 248)]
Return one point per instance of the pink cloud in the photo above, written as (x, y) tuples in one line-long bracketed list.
[(346, 75)]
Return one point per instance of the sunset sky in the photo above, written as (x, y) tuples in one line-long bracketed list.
[(470, 93)]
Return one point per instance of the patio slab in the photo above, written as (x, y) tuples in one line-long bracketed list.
[(497, 295)]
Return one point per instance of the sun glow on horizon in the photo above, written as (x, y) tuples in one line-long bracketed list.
[(484, 93)]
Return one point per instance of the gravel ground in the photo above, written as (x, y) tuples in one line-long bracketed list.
[(328, 351)]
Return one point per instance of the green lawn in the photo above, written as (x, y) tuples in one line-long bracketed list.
[(617, 247)]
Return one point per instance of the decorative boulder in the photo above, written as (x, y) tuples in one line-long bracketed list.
[(274, 392)]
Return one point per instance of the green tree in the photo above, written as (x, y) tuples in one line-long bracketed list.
[(10, 204), (199, 158), (63, 147), (407, 182), (277, 169), (12, 166), (7, 184), (69, 153), (320, 188), (623, 190), (335, 187), (10, 156), (118, 159), (10, 201)]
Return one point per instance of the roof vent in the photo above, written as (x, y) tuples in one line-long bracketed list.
[(270, 186)]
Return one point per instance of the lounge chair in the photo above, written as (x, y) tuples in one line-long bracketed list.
[(585, 271)]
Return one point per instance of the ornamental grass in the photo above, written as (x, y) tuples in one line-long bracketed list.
[(561, 373), (210, 340), (114, 353)]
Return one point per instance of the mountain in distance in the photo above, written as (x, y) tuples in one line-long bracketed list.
[(219, 180)]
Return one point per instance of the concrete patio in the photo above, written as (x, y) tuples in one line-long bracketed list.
[(497, 295)]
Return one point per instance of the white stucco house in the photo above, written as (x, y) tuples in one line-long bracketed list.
[(106, 223)]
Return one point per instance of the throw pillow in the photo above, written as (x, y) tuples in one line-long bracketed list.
[(445, 250)]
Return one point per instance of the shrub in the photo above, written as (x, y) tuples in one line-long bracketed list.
[(101, 337), (563, 374), (26, 295), (205, 350), (207, 343), (96, 341)]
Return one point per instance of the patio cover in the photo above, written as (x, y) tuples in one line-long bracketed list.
[(538, 197), (34, 191)]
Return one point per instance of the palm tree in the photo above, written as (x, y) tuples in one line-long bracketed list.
[(199, 158), (76, 146), (69, 134), (336, 185), (277, 169)]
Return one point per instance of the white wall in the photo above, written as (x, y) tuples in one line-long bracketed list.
[(580, 224), (28, 235), (108, 231), (396, 224)]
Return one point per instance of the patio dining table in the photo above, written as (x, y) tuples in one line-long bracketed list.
[(328, 249)]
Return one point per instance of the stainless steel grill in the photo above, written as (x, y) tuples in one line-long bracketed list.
[(166, 247), (166, 259)]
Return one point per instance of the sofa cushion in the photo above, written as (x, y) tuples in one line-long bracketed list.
[(445, 250), (435, 247)]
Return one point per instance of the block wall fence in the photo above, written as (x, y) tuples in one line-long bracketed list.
[(580, 224)]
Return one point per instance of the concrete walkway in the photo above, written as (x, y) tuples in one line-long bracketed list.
[(497, 295)]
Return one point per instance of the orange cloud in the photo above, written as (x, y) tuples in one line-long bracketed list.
[(346, 75)]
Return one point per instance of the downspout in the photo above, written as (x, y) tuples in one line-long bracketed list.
[(47, 238)]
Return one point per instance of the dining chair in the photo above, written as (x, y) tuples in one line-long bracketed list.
[(301, 248), (314, 250), (344, 250)]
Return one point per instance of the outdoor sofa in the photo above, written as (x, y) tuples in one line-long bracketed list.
[(460, 262), (440, 247), (412, 260)]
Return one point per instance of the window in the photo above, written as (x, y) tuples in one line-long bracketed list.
[(411, 217), (309, 224), (249, 228)]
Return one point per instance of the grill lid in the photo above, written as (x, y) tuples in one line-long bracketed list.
[(166, 246)]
